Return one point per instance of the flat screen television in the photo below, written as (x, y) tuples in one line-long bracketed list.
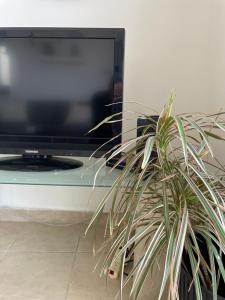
[(55, 85)]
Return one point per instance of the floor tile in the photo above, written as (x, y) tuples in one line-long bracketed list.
[(94, 238), (2, 254), (40, 237), (86, 284), (35, 276), (9, 232), (39, 261)]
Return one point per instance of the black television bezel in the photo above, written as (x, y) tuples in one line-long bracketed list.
[(9, 146)]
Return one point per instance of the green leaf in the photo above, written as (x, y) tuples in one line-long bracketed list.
[(150, 263), (148, 253), (212, 193), (165, 207), (138, 235), (219, 261), (198, 252), (102, 204), (180, 247), (213, 135), (116, 244), (202, 133), (132, 217), (206, 233), (196, 157), (196, 279), (105, 121), (147, 260), (166, 113), (182, 134), (213, 269), (207, 206), (170, 104), (148, 150), (221, 126), (168, 262)]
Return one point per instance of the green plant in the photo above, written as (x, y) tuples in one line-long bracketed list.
[(168, 203)]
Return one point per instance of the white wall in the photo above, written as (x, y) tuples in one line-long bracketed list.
[(167, 41), (170, 44)]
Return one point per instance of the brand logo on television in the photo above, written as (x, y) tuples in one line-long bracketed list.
[(31, 151)]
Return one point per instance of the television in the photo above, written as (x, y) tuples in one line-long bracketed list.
[(56, 84)]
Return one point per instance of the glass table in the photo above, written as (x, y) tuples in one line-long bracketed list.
[(83, 176)]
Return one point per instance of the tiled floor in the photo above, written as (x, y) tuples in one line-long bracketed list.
[(44, 262)]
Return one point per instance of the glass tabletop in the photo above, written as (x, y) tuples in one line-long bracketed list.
[(83, 176)]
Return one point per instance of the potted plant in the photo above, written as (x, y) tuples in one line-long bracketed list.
[(174, 205)]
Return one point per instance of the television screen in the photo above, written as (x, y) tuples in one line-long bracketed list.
[(54, 89)]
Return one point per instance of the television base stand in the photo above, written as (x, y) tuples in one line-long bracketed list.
[(38, 163)]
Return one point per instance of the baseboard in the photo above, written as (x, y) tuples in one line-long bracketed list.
[(43, 216)]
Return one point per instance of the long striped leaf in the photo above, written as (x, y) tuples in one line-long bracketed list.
[(165, 208), (196, 279), (131, 219), (202, 133), (107, 119), (152, 260), (168, 261), (148, 150), (136, 237), (219, 261), (196, 157), (213, 135), (180, 247), (153, 243), (182, 134), (213, 269), (148, 262), (212, 193), (221, 126), (198, 251), (206, 204), (207, 234)]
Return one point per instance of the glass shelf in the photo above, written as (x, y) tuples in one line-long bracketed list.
[(83, 176)]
